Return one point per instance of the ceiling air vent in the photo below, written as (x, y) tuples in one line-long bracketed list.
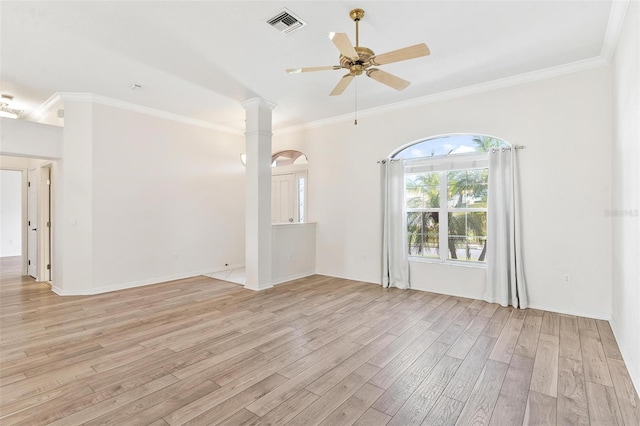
[(286, 22)]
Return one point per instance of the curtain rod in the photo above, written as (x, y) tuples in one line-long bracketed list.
[(398, 159)]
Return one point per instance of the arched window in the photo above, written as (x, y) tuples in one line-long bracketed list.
[(446, 183), (287, 158)]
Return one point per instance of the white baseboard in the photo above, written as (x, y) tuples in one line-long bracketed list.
[(292, 277), (629, 362), (133, 284), (606, 316), (258, 289)]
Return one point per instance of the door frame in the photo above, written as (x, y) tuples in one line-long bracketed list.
[(45, 222), (297, 170), (33, 203)]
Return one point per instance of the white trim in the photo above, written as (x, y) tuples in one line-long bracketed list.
[(292, 277), (606, 316), (42, 110), (258, 289), (614, 26), (629, 362), (451, 293), (582, 65), (103, 100), (133, 284), (448, 262)]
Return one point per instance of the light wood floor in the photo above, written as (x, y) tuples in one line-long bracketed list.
[(317, 351)]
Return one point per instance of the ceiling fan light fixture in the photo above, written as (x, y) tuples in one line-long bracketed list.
[(8, 114), (6, 111)]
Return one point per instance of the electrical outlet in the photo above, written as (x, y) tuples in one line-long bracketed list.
[(566, 279)]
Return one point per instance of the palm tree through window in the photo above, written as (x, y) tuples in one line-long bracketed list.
[(446, 185)]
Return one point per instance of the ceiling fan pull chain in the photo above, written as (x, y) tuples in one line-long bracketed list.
[(355, 103)]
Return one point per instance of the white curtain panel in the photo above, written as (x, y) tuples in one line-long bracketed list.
[(395, 256), (505, 274)]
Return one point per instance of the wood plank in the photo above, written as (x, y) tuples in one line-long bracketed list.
[(332, 377), (608, 340), (545, 369), (540, 411), (237, 402), (528, 340), (512, 400), (354, 407), (400, 363), (462, 383), (572, 397), (603, 405), (503, 349), (398, 393), (479, 407), (286, 411), (625, 392), (463, 345), (315, 413), (570, 338), (414, 411), (387, 354), (445, 412), (373, 417), (497, 322), (594, 360), (550, 324), (587, 324)]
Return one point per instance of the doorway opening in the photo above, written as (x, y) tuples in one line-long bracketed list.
[(35, 211)]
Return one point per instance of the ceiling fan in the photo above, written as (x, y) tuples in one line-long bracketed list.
[(362, 60)]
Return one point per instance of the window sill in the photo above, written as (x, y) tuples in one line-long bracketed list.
[(417, 259)]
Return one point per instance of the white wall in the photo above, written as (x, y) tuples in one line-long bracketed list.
[(28, 139), (10, 213), (565, 123), (167, 199), (626, 192), (293, 247)]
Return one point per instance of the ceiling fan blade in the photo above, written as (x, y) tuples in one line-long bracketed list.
[(403, 54), (344, 45), (308, 69), (342, 84), (388, 79)]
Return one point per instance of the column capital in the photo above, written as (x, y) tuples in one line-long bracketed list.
[(257, 102)]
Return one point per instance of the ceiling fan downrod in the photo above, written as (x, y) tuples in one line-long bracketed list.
[(356, 15)]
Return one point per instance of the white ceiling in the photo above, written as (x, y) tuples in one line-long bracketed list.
[(201, 58)]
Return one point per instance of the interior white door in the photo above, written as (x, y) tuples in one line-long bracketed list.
[(32, 224), (283, 198)]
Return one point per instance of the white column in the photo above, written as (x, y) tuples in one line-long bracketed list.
[(258, 194)]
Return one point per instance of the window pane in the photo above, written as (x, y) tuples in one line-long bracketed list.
[(467, 188), (423, 229), (468, 249), (467, 235), (301, 192), (422, 190)]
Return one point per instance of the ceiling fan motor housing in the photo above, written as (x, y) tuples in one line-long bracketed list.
[(357, 67)]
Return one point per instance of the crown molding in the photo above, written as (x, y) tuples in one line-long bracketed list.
[(614, 26), (488, 86), (42, 110), (103, 100)]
